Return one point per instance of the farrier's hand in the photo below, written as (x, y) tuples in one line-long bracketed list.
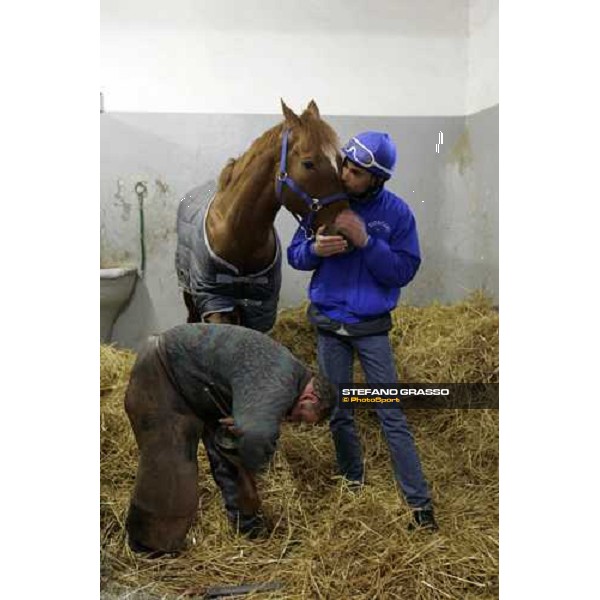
[(229, 424), (351, 225), (328, 245), (248, 500)]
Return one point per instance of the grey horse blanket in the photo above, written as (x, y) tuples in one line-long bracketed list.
[(214, 284)]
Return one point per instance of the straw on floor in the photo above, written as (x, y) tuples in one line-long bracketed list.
[(328, 542)]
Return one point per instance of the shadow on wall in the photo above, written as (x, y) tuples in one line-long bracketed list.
[(459, 232), (433, 281)]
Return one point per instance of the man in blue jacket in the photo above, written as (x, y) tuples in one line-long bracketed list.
[(356, 284)]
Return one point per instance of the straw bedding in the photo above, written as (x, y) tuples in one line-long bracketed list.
[(328, 542)]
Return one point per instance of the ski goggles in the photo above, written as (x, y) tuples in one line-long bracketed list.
[(362, 156)]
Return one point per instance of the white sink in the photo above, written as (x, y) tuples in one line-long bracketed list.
[(116, 287)]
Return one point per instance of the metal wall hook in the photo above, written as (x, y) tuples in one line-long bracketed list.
[(141, 190)]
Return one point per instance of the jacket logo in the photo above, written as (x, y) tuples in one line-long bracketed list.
[(379, 226)]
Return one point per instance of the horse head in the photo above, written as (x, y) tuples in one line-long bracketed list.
[(308, 180)]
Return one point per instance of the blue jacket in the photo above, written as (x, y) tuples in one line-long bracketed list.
[(365, 282)]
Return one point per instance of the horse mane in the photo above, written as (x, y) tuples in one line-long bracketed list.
[(317, 132), (236, 167)]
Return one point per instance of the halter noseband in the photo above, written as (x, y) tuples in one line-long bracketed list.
[(314, 204)]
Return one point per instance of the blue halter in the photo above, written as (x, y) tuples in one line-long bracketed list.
[(314, 204)]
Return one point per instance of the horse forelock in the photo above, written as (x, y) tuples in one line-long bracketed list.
[(323, 138)]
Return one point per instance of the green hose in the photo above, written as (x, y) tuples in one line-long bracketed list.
[(141, 190)]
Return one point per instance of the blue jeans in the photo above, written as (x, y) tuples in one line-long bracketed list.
[(335, 355)]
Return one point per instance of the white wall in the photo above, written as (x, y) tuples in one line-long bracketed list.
[(482, 78), (399, 58)]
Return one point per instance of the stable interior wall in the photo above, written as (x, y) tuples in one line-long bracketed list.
[(175, 131)]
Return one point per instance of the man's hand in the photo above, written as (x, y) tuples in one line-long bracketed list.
[(328, 245), (351, 225)]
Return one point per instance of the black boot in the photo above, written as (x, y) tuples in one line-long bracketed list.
[(252, 526), (423, 519), (355, 486)]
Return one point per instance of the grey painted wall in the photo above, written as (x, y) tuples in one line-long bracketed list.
[(454, 195)]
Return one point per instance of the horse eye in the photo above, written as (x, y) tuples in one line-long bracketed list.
[(308, 164)]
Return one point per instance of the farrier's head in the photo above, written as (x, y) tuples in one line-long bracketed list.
[(315, 402)]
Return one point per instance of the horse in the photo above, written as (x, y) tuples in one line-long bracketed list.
[(228, 257)]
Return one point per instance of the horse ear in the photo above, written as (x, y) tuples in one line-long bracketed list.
[(313, 109), (291, 117)]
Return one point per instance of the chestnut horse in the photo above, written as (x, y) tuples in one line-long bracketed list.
[(228, 253)]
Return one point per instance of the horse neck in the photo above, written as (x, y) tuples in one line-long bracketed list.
[(249, 210), (240, 221)]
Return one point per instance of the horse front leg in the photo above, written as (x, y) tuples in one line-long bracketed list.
[(193, 316), (232, 317)]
